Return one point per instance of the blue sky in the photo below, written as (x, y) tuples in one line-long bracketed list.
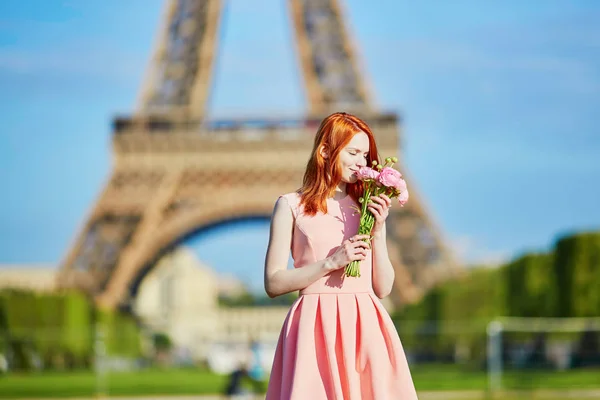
[(499, 136)]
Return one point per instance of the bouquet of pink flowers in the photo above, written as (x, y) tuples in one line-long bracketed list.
[(376, 180)]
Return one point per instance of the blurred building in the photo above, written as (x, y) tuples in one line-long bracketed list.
[(179, 297), (230, 286), (36, 277)]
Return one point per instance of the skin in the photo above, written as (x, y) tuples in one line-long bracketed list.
[(279, 280)]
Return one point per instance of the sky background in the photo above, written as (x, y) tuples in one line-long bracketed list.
[(498, 99)]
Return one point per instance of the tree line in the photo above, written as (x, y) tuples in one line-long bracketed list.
[(60, 330), (563, 282)]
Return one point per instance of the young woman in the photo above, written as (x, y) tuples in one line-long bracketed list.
[(337, 342)]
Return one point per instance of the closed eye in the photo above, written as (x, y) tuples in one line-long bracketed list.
[(355, 152)]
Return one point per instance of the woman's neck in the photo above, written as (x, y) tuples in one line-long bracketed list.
[(340, 191)]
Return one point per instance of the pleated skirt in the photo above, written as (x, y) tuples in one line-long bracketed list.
[(339, 347)]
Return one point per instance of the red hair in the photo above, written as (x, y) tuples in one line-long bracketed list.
[(323, 174)]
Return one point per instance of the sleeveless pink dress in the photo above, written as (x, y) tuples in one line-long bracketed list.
[(337, 342)]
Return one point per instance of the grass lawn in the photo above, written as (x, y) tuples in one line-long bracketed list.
[(426, 378), (73, 384), (449, 377)]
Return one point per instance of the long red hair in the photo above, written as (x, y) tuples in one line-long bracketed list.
[(323, 174)]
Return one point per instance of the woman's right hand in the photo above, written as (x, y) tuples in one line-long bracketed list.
[(352, 249)]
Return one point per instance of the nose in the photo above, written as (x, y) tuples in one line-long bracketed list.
[(362, 162)]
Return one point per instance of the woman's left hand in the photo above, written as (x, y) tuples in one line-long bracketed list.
[(380, 207)]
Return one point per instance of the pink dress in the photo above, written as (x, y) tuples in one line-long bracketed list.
[(338, 341)]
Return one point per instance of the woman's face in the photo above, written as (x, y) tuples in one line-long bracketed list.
[(354, 156)]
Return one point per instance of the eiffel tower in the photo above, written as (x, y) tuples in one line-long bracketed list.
[(168, 167)]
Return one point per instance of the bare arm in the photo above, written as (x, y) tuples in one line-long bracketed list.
[(280, 280), (383, 271)]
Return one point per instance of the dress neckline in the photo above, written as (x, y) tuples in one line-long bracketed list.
[(342, 199)]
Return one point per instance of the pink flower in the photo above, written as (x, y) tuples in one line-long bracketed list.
[(390, 177), (365, 173), (401, 186), (403, 197)]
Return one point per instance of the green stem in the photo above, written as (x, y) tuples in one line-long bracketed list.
[(367, 221)]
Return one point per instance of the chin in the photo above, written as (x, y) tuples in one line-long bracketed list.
[(350, 179)]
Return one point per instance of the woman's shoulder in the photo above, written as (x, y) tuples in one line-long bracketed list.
[(293, 201), (292, 197)]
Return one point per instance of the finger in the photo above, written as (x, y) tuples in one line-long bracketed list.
[(378, 200), (360, 237), (388, 201), (379, 217), (376, 215), (382, 199), (362, 252), (361, 245), (383, 203), (378, 203), (382, 209), (375, 210)]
